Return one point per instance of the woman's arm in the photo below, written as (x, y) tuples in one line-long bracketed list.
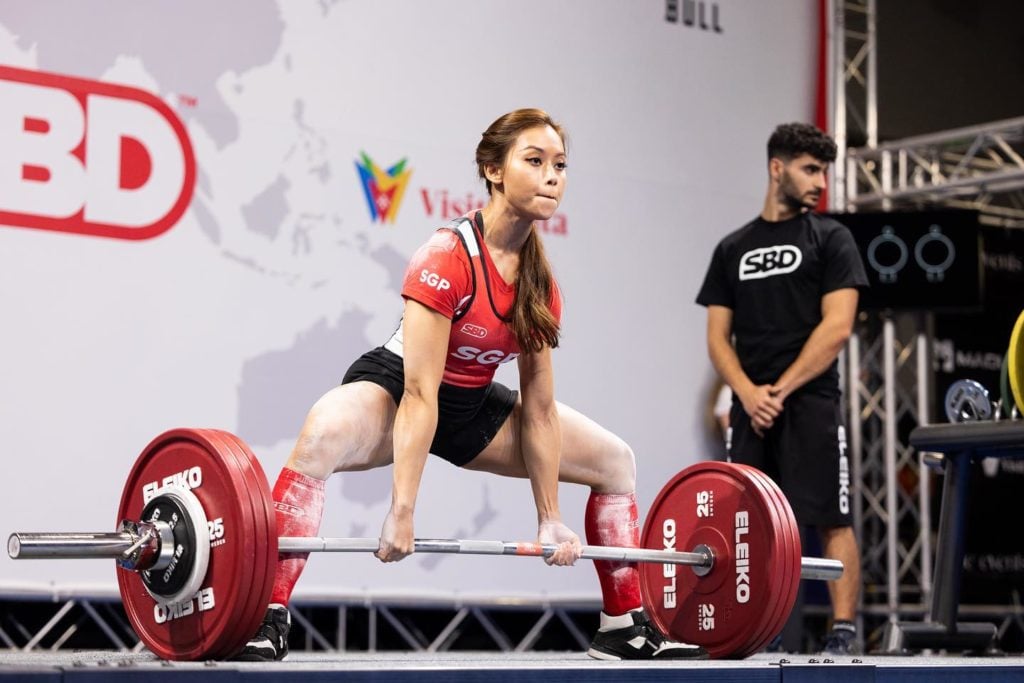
[(540, 439), (425, 334)]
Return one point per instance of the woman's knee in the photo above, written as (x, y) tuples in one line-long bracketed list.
[(620, 468), (348, 429), (315, 453)]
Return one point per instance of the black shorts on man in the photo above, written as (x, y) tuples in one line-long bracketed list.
[(804, 452), (467, 417)]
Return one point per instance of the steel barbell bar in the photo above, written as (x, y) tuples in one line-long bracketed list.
[(120, 545)]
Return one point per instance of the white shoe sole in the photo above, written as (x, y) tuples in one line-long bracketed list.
[(597, 654)]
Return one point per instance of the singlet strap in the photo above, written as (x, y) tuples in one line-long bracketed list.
[(463, 227), (476, 227)]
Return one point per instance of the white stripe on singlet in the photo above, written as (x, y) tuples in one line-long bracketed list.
[(395, 344), (469, 235)]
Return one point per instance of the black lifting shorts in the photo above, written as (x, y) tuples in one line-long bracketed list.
[(804, 452), (467, 417)]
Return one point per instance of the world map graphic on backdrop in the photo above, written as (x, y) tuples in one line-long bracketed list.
[(263, 228), (157, 36)]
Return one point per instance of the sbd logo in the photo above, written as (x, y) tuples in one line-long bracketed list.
[(91, 158)]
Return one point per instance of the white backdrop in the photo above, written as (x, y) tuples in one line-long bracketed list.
[(277, 276)]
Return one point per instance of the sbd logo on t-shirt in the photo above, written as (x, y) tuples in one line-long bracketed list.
[(767, 261)]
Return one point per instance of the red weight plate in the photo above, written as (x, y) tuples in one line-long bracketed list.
[(250, 614), (795, 549), (253, 612), (779, 568), (265, 557), (247, 540), (789, 553), (777, 565), (715, 504), (263, 493), (788, 580), (196, 628)]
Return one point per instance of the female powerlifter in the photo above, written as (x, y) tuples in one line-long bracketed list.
[(478, 293)]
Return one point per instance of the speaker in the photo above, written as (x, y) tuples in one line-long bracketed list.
[(920, 260)]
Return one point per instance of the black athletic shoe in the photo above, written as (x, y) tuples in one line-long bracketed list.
[(633, 636), (842, 640), (271, 641)]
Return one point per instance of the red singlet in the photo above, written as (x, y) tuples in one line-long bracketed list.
[(454, 275)]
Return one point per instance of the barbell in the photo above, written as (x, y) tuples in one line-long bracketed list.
[(197, 549)]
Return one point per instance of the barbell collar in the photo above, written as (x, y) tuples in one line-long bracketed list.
[(153, 548), (136, 546)]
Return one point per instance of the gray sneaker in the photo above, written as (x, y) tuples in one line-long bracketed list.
[(270, 643), (841, 640)]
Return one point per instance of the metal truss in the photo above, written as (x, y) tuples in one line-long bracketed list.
[(419, 628), (338, 627), (888, 396), (868, 387), (362, 625), (852, 87), (65, 620), (978, 167)]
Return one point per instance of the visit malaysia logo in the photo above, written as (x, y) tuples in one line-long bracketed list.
[(383, 188)]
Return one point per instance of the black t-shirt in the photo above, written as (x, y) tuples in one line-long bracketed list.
[(773, 276)]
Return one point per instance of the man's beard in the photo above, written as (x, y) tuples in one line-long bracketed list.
[(793, 200)]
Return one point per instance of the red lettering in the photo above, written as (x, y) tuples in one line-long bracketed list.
[(556, 225), (441, 204), (36, 125), (427, 204), (89, 157)]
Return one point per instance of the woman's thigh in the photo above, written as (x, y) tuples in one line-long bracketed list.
[(590, 454), (349, 428)]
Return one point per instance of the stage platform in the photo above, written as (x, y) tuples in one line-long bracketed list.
[(89, 666)]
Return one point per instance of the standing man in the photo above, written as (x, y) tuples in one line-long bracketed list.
[(785, 286)]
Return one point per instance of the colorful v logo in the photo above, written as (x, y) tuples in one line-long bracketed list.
[(383, 189)]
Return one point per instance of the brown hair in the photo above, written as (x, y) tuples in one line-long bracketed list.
[(790, 140), (532, 321)]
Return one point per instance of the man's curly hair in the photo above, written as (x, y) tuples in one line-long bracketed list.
[(790, 140)]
